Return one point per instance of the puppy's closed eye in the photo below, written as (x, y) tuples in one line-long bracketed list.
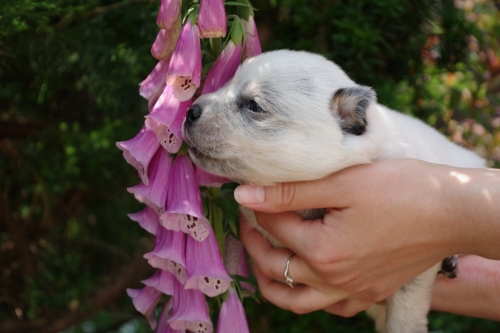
[(254, 107)]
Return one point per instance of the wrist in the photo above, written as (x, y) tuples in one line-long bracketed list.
[(471, 197)]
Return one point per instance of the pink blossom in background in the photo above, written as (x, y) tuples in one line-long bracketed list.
[(147, 219), (189, 311), (145, 301), (139, 151), (251, 43), (223, 69), (184, 212), (235, 260), (184, 73), (232, 317), (212, 19), (205, 269), (155, 193), (165, 41), (168, 13)]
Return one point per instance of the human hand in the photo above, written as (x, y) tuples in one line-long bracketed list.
[(386, 223)]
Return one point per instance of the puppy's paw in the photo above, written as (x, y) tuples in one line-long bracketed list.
[(449, 267)]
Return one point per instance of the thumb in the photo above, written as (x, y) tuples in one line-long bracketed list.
[(330, 192)]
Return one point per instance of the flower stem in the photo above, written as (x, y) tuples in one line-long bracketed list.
[(215, 44), (216, 219)]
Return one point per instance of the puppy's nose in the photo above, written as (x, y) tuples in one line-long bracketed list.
[(193, 114)]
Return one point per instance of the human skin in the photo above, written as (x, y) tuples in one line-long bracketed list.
[(386, 222)]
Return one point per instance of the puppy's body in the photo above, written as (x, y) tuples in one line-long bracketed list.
[(294, 116)]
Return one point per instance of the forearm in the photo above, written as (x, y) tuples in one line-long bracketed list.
[(474, 204), (475, 292)]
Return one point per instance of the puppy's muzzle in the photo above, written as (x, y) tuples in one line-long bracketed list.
[(193, 114)]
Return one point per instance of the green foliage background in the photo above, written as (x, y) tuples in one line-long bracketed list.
[(69, 71)]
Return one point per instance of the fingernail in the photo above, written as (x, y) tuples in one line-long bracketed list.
[(249, 194)]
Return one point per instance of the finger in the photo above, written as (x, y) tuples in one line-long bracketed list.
[(272, 261), (301, 236), (332, 191), (289, 229), (348, 307), (300, 299)]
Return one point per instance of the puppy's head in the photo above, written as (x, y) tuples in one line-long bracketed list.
[(285, 116)]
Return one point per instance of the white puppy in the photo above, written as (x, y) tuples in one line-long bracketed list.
[(295, 116)]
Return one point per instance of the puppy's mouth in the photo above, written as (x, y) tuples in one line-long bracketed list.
[(199, 157)]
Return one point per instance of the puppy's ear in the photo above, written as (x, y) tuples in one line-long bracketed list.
[(350, 104)]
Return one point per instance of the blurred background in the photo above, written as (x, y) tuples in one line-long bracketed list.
[(69, 73)]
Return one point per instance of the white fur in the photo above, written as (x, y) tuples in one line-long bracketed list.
[(299, 138)]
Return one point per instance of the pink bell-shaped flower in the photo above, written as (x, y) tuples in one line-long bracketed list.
[(176, 269), (235, 260), (212, 19), (155, 82), (204, 178), (168, 13), (155, 193), (168, 253), (232, 315), (162, 281), (251, 43), (163, 326), (147, 219), (223, 69), (166, 120), (189, 311), (145, 301), (155, 97), (184, 72), (184, 211), (205, 269), (164, 44), (139, 151), (168, 140)]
